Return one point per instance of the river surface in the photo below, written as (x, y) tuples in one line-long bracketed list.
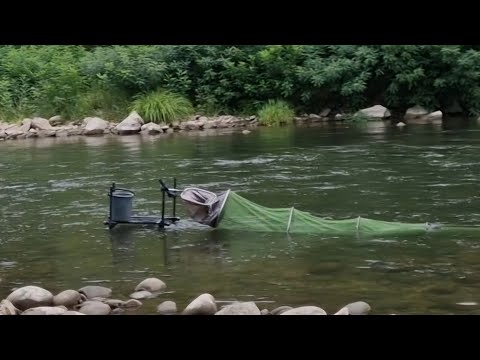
[(53, 202)]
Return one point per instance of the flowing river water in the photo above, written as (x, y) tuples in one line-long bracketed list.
[(53, 202)]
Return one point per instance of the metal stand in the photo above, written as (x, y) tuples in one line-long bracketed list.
[(161, 221)]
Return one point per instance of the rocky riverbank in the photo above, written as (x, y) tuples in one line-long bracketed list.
[(98, 300), (134, 124)]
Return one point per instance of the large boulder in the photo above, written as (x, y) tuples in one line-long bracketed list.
[(41, 124), (94, 126), (30, 296), (377, 112), (131, 125)]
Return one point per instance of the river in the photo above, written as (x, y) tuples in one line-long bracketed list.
[(54, 201)]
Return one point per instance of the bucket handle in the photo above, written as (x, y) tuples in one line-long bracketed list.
[(114, 188)]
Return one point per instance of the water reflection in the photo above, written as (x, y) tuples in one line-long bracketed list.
[(126, 239)]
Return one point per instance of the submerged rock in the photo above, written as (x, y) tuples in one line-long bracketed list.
[(92, 291), (151, 284), (138, 295)]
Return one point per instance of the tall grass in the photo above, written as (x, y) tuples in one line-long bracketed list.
[(162, 106), (276, 113)]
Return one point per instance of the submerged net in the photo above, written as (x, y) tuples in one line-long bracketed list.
[(241, 214), (229, 210)]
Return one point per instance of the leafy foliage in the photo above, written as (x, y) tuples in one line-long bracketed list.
[(75, 81)]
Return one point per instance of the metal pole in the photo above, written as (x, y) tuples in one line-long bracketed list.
[(163, 207), (112, 189), (175, 197)]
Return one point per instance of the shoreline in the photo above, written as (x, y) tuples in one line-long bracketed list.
[(92, 127), (100, 300)]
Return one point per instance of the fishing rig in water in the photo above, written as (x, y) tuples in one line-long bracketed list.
[(229, 210)]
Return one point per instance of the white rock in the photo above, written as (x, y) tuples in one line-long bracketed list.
[(241, 308), (94, 126), (377, 111), (167, 307), (358, 308), (202, 305)]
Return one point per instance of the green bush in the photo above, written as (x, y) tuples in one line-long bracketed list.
[(276, 113), (162, 106)]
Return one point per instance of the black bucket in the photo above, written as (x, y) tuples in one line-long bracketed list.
[(122, 205)]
